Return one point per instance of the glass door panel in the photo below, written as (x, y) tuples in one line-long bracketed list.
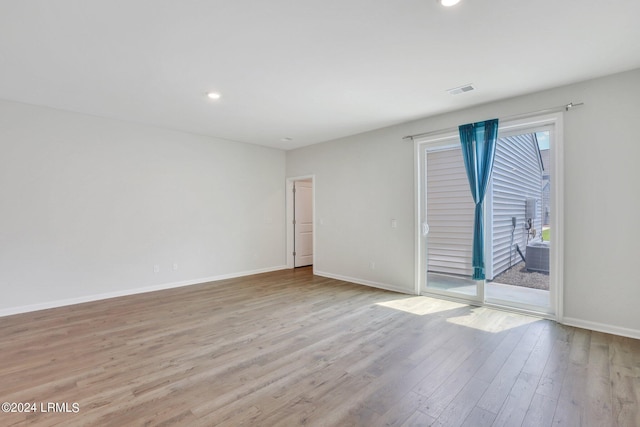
[(449, 217), (518, 222)]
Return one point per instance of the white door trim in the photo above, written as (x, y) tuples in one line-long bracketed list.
[(289, 217)]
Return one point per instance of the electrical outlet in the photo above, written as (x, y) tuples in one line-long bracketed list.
[(156, 268), (175, 266), (394, 223), (372, 265)]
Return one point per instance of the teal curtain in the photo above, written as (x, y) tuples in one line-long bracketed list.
[(478, 151)]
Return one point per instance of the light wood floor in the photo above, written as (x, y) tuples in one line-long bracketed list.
[(288, 348)]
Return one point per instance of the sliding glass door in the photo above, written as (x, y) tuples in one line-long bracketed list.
[(522, 222)]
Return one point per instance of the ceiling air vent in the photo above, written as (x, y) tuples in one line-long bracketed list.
[(461, 89)]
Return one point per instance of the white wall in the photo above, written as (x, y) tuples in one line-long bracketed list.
[(88, 206), (365, 180), (361, 184)]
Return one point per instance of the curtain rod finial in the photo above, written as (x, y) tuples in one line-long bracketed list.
[(572, 105)]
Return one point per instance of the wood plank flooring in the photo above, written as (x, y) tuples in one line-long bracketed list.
[(288, 348)]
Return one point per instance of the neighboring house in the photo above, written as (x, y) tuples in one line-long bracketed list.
[(516, 177), (450, 212), (546, 197), (546, 186)]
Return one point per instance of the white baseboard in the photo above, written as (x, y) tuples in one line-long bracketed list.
[(125, 292), (602, 327), (385, 286)]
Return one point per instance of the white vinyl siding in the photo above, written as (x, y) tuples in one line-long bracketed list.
[(517, 175), (450, 211)]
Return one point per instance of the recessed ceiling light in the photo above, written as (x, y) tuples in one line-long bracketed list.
[(448, 3), (287, 139), (213, 95)]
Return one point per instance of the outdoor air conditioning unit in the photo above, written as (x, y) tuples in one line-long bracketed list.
[(537, 258)]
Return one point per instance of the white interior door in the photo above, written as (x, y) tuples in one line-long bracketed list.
[(303, 223)]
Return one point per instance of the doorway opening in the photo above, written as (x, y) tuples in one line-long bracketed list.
[(300, 222)]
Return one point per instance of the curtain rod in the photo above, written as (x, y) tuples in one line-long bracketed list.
[(565, 107)]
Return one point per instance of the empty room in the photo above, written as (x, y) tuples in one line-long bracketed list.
[(319, 213)]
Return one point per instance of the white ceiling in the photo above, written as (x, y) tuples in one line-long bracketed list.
[(311, 70)]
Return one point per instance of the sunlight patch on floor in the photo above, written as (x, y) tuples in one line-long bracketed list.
[(494, 321), (421, 305)]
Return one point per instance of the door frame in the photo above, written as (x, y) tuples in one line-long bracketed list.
[(289, 217), (447, 138)]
